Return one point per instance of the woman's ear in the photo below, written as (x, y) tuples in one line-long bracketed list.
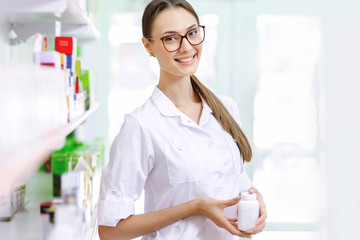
[(147, 45)]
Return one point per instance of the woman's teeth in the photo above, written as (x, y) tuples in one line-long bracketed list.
[(185, 60)]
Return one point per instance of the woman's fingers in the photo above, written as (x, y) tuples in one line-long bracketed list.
[(234, 224), (235, 231), (257, 229), (231, 202), (253, 190), (263, 214), (258, 194), (234, 228), (232, 219)]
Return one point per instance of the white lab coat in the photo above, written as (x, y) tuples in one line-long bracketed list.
[(163, 151)]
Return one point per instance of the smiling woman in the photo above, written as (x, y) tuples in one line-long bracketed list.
[(171, 50), (183, 146)]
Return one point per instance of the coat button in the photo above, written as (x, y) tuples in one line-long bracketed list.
[(210, 145)]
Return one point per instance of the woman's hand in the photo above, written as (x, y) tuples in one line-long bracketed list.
[(260, 223), (214, 210)]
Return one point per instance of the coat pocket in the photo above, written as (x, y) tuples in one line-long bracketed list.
[(184, 160)]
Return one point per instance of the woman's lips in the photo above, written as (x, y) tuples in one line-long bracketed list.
[(186, 60)]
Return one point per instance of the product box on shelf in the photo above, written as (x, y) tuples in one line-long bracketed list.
[(70, 62), (88, 85), (73, 187), (66, 45), (70, 89), (80, 95), (50, 58), (62, 217), (90, 154), (76, 177), (68, 224), (79, 103), (11, 201), (61, 161), (76, 188), (47, 216), (93, 152)]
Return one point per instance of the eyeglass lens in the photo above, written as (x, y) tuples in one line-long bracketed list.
[(195, 36)]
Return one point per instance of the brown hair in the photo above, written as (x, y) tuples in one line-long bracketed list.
[(219, 110), (156, 6)]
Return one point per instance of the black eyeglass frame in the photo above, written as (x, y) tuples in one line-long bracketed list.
[(182, 37)]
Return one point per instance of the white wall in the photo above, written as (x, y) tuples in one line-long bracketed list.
[(341, 126)]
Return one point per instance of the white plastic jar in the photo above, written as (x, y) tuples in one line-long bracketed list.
[(248, 211)]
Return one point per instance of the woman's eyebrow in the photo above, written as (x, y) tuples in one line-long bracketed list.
[(174, 32)]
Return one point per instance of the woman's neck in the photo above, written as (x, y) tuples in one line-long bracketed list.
[(179, 90)]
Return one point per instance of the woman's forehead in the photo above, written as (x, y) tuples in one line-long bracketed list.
[(173, 19)]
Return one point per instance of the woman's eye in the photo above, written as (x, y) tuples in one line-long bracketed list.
[(192, 33), (170, 39)]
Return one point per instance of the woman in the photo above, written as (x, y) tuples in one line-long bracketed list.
[(183, 146)]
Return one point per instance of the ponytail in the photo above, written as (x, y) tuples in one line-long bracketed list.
[(224, 118)]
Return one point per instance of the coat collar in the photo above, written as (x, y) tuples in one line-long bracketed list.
[(168, 108)]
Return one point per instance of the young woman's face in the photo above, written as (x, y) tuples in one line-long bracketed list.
[(184, 61)]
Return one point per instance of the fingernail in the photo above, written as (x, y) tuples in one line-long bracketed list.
[(250, 231)]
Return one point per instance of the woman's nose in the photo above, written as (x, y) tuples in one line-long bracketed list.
[(185, 45)]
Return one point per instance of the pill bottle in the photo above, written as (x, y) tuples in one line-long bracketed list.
[(248, 211)]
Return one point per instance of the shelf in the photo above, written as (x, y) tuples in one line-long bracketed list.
[(26, 223), (31, 16), (28, 218), (13, 167)]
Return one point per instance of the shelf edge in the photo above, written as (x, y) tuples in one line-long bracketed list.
[(17, 169)]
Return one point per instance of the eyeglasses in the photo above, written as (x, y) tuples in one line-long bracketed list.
[(172, 43)]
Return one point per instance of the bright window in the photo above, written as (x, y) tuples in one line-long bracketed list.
[(286, 121)]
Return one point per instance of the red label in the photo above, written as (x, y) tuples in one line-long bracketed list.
[(64, 45)]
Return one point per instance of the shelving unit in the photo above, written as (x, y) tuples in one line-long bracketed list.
[(31, 16), (20, 162), (38, 151), (26, 223)]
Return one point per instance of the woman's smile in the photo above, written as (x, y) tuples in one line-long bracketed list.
[(187, 60)]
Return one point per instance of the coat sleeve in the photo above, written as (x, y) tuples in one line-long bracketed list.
[(123, 178)]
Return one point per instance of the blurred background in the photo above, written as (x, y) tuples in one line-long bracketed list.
[(293, 68)]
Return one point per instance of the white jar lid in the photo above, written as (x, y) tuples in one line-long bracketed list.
[(248, 196)]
